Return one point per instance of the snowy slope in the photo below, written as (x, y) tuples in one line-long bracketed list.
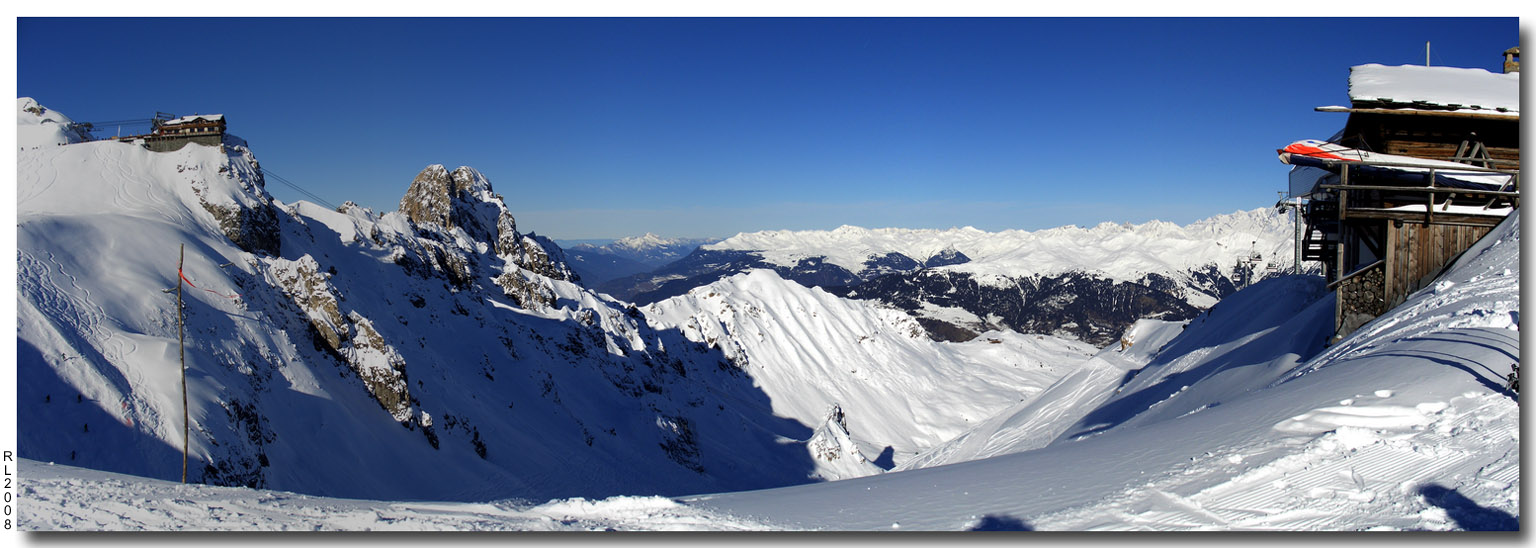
[(1404, 425), (899, 391), (38, 127), (120, 502), (347, 353), (1244, 342)]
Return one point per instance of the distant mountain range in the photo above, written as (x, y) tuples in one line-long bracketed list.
[(599, 264), (1084, 283)]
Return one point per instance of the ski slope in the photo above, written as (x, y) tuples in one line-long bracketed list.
[(1405, 425)]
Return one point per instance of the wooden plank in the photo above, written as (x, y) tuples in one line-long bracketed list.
[(1417, 217), (1391, 258), (1447, 151)]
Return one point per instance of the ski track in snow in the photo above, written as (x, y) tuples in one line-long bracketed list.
[(31, 162), (1374, 458), (38, 280)]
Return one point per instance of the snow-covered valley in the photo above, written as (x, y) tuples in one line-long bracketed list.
[(436, 368)]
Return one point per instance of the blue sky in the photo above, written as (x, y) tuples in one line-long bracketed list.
[(603, 128)]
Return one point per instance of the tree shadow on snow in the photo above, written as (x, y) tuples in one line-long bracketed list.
[(1468, 514), (999, 522)]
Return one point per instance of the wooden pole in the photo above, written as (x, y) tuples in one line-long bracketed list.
[(181, 336)]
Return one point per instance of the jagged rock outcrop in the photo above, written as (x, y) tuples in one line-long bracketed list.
[(250, 221), (525, 291), (1075, 305), (350, 338), (831, 442), (460, 199), (463, 199)]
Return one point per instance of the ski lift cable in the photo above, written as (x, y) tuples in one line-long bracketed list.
[(301, 190)]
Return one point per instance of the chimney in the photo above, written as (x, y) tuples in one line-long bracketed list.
[(1512, 60)]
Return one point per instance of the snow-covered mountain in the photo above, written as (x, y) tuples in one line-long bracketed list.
[(1239, 421), (1085, 283), (599, 264), (435, 351), (1224, 424), (432, 352), (864, 372)]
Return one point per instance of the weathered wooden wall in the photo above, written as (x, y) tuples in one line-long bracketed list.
[(1445, 151), (1416, 252)]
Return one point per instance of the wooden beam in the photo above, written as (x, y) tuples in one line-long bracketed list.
[(1418, 217), (1435, 189)]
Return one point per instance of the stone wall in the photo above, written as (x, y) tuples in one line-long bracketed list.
[(168, 143)]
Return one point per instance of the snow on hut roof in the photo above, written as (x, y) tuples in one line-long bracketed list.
[(194, 117), (1435, 88)]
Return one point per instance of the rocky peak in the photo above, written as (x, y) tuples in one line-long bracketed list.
[(464, 199), (461, 199)]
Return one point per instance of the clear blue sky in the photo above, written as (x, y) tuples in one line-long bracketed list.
[(603, 128)]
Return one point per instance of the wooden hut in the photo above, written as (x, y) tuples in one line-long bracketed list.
[(172, 134), (1387, 219)]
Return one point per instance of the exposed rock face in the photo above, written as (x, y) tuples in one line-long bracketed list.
[(537, 254), (351, 338), (309, 288), (463, 200), (380, 367), (525, 291), (453, 200), (831, 442), (956, 306), (253, 230), (1076, 305), (251, 221), (680, 442)]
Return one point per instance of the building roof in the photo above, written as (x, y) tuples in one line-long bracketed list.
[(193, 118), (1435, 88)]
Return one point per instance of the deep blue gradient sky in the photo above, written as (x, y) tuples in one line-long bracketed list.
[(601, 128)]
